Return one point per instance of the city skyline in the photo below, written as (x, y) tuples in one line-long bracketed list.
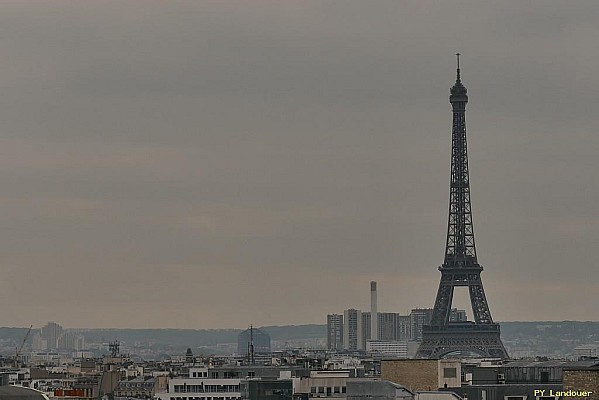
[(216, 165)]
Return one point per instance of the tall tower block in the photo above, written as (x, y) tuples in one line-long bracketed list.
[(480, 337)]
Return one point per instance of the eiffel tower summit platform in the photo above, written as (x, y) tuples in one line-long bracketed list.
[(481, 337)]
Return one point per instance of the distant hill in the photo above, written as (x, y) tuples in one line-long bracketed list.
[(204, 337), (565, 329), (539, 337), (13, 334), (175, 337), (548, 338), (289, 332)]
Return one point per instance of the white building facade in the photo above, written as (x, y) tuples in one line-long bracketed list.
[(394, 348), (197, 386)]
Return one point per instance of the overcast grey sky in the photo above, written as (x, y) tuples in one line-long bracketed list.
[(215, 164)]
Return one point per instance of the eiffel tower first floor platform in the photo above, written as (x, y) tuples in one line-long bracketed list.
[(481, 340)]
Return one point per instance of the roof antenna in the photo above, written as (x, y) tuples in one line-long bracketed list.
[(251, 346), (458, 78)]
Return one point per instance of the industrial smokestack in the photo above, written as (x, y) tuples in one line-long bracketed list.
[(374, 316)]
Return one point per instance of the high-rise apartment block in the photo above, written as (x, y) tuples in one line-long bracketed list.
[(388, 326), (404, 327), (335, 332), (52, 336), (366, 329), (352, 330), (418, 318), (71, 341), (51, 332)]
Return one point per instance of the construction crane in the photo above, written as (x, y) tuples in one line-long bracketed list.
[(15, 361)]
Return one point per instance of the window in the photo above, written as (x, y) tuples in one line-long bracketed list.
[(450, 372), (545, 376)]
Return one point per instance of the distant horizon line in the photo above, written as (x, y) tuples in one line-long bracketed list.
[(260, 327)]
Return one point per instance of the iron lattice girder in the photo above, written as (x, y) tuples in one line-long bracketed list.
[(453, 277), (460, 266), (460, 230), (439, 341)]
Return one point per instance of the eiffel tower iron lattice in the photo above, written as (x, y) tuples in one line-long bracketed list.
[(460, 266)]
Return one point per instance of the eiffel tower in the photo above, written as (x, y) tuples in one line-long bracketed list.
[(460, 266)]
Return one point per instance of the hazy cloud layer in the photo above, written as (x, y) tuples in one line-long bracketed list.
[(215, 164)]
